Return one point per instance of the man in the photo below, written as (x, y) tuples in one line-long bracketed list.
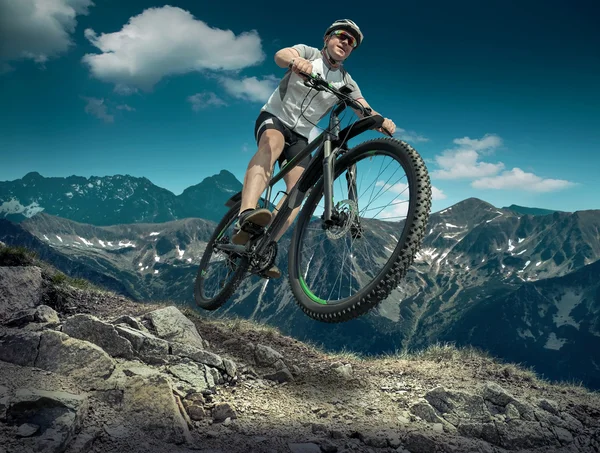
[(289, 115)]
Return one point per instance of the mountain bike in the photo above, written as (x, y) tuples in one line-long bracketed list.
[(363, 220)]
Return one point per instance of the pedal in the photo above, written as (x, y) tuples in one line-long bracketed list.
[(252, 229)]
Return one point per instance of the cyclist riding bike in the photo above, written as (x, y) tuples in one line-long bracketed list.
[(285, 121)]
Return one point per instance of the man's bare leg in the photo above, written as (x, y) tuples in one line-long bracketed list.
[(260, 168), (290, 181)]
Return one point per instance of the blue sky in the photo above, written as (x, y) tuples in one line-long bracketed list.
[(500, 98)]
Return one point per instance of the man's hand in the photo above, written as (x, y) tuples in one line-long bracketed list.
[(299, 65), (388, 125)]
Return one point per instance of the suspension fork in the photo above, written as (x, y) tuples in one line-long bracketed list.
[(329, 156), (328, 173)]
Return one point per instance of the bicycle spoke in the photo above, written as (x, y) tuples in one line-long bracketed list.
[(389, 187)]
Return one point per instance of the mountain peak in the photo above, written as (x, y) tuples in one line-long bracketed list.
[(469, 204), (32, 176)]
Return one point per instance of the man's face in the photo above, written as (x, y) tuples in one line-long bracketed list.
[(339, 44)]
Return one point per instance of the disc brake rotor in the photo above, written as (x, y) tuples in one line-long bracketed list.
[(348, 211)]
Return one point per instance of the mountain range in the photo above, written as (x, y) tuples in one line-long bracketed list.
[(113, 200), (522, 286)]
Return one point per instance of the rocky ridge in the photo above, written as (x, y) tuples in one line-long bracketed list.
[(88, 371)]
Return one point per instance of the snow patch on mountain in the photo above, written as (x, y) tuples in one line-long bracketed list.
[(525, 333), (510, 246), (555, 343), (86, 242), (421, 254), (565, 305), (14, 206)]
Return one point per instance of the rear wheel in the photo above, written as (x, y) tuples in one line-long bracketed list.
[(382, 200), (220, 271)]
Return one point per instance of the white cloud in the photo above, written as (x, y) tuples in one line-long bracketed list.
[(125, 107), (409, 136), (463, 162), (164, 41), (38, 29), (97, 107), (250, 88), (437, 194), (395, 212), (205, 99), (458, 164), (488, 142), (518, 179), (399, 188)]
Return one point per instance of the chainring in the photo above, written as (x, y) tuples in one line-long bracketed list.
[(260, 264)]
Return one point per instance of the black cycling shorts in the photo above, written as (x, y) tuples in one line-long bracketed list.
[(294, 143)]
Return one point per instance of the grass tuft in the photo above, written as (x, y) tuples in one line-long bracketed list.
[(17, 256)]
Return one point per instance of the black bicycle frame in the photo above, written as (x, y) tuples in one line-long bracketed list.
[(327, 144)]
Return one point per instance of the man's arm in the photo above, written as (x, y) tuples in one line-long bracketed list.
[(296, 58), (284, 57), (387, 123)]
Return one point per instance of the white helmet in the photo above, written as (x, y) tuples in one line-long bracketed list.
[(349, 26)]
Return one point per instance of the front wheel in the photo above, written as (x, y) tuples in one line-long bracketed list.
[(382, 199), (220, 271)]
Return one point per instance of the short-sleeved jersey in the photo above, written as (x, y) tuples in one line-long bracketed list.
[(301, 108)]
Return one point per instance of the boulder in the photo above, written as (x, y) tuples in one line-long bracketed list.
[(147, 347), (172, 325), (20, 288), (193, 376), (79, 359), (42, 314), (266, 356), (103, 334), (149, 404), (197, 355), (19, 347)]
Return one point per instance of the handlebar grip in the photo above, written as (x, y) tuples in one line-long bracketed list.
[(386, 132)]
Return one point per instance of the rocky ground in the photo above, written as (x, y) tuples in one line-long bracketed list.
[(90, 371)]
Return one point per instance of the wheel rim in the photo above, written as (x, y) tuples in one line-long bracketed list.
[(219, 268), (346, 263)]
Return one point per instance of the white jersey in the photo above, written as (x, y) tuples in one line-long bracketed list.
[(301, 108)]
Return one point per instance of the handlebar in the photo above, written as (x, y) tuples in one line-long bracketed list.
[(319, 83)]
